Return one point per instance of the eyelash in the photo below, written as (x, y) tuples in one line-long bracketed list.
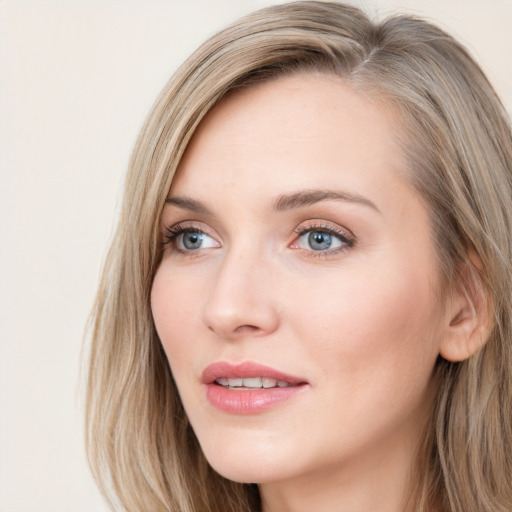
[(348, 241), (170, 234)]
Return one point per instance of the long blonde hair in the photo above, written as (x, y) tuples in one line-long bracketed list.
[(458, 142)]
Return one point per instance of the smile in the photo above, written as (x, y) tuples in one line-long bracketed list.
[(249, 388), (252, 383)]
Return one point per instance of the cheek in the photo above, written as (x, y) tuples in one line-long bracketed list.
[(372, 346), (380, 323), (175, 313)]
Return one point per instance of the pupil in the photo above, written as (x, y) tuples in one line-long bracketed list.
[(192, 240), (319, 240)]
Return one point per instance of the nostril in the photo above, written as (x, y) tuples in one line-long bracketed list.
[(246, 329)]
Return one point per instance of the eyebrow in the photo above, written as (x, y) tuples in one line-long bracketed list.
[(285, 202), (186, 203), (309, 197)]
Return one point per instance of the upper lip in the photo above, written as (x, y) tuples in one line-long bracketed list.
[(245, 370)]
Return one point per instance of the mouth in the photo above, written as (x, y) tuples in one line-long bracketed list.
[(252, 383), (248, 375), (249, 388)]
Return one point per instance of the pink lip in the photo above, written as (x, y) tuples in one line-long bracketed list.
[(245, 371), (248, 401)]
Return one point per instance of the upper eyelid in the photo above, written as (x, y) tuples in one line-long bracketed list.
[(325, 226), (187, 224), (171, 231)]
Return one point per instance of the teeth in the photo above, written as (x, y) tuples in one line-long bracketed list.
[(252, 382)]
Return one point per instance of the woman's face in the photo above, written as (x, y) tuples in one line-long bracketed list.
[(298, 258)]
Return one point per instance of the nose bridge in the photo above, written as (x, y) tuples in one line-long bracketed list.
[(240, 299)]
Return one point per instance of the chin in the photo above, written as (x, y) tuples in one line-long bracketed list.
[(244, 464), (242, 475)]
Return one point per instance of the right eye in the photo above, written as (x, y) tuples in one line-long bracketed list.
[(192, 240), (189, 239)]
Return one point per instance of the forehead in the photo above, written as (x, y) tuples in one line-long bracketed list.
[(305, 130)]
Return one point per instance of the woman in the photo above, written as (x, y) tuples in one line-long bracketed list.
[(306, 305)]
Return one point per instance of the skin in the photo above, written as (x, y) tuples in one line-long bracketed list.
[(363, 325)]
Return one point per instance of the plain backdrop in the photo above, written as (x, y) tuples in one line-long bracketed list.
[(77, 78)]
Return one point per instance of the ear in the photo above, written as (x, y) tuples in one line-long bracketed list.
[(468, 314)]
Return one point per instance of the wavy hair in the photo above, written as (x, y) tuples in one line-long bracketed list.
[(457, 138)]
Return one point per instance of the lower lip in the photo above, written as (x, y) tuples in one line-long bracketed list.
[(249, 401)]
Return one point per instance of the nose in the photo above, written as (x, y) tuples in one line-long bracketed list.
[(241, 301)]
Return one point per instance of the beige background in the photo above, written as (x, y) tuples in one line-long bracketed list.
[(77, 77)]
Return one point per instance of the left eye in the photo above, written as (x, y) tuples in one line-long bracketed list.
[(193, 240), (318, 240)]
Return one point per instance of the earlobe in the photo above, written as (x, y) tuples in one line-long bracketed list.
[(468, 316)]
